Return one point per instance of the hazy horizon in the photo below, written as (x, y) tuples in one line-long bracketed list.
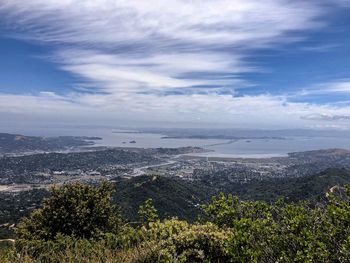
[(94, 130)]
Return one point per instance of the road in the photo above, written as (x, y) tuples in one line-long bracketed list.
[(140, 170)]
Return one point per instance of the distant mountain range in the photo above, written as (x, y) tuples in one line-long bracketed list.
[(244, 133), (16, 143)]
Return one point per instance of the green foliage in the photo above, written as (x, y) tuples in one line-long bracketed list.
[(234, 231), (77, 210), (178, 241), (202, 243), (147, 212), (173, 197), (251, 223), (181, 198), (294, 232)]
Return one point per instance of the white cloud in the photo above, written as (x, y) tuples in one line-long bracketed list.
[(128, 51), (199, 21), (157, 44), (264, 111), (330, 88)]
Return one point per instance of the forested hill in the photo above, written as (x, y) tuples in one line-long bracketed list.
[(16, 143), (179, 198), (312, 187), (176, 197), (172, 197), (79, 223)]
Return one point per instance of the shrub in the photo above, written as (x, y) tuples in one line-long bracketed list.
[(178, 241), (77, 211)]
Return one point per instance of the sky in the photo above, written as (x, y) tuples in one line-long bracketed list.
[(250, 64)]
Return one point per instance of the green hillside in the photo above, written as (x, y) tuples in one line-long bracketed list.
[(79, 223), (292, 189), (172, 197), (177, 197)]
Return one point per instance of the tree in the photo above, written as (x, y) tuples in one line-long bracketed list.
[(147, 212), (78, 210)]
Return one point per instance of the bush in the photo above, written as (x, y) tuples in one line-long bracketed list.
[(178, 241), (279, 232), (77, 211)]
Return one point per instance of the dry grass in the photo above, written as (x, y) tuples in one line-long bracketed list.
[(74, 255)]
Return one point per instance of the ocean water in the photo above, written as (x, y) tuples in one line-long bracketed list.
[(253, 148), (270, 148)]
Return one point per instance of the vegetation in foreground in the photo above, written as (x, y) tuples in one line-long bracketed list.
[(78, 223), (174, 197)]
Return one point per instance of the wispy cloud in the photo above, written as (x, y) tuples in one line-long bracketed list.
[(320, 48), (334, 87), (157, 44), (131, 55), (326, 117)]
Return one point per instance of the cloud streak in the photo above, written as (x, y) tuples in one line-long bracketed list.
[(157, 44), (335, 87), (132, 57)]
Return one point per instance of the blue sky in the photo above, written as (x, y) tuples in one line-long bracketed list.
[(24, 68), (228, 63)]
